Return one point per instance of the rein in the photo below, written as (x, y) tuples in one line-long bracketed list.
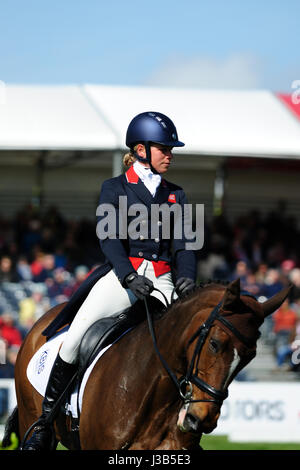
[(184, 384)]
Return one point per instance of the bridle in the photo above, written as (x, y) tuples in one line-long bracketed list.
[(184, 385)]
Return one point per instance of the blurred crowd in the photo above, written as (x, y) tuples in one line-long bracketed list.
[(264, 252), (44, 259)]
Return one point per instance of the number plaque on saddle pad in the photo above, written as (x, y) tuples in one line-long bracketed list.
[(40, 365)]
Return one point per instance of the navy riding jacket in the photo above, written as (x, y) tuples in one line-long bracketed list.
[(118, 249)]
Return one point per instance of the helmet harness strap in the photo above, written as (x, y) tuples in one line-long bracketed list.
[(148, 156)]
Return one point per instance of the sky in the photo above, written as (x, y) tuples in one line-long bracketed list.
[(245, 44)]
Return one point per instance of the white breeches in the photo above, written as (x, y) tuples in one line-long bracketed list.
[(107, 298)]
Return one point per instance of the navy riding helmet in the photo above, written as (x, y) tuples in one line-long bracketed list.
[(152, 127)]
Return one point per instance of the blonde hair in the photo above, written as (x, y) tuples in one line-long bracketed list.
[(129, 157)]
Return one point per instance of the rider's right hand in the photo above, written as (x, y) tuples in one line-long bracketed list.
[(141, 286)]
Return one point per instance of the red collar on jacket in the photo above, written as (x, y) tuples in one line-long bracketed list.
[(132, 177)]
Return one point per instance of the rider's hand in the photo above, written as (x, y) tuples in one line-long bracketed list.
[(141, 286), (184, 285)]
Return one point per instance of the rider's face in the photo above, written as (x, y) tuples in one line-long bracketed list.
[(161, 156)]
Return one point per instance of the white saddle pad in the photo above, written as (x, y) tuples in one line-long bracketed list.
[(40, 365)]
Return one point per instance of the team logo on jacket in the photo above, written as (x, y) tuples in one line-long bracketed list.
[(172, 198)]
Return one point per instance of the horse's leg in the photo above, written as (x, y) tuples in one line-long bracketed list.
[(174, 439), (115, 410), (159, 430), (28, 399), (177, 440), (29, 411), (167, 439)]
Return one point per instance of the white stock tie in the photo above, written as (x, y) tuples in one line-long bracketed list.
[(150, 179)]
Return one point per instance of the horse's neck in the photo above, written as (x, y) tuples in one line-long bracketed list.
[(183, 311)]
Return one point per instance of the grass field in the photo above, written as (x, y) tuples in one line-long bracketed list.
[(222, 443), (215, 443)]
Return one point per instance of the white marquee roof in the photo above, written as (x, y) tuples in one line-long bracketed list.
[(51, 117), (254, 123)]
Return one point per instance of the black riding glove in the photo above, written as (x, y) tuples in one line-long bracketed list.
[(184, 285), (141, 286)]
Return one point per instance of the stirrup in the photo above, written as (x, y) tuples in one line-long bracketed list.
[(34, 443)]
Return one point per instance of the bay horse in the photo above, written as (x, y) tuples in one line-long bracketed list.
[(140, 398)]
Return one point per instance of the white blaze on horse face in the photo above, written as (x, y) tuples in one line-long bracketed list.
[(233, 366), (181, 417)]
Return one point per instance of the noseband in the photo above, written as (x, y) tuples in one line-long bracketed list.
[(184, 384)]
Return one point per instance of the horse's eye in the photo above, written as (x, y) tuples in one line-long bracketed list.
[(214, 345)]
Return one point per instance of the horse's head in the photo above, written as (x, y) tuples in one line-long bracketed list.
[(219, 343)]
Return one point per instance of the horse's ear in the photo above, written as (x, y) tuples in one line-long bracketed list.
[(272, 304), (231, 295)]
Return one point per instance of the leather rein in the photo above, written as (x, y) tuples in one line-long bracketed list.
[(184, 385)]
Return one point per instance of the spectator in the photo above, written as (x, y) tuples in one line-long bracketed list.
[(284, 319), (57, 285), (285, 352), (37, 263), (31, 236), (261, 273), (81, 273), (7, 370), (295, 279), (8, 331), (60, 257), (32, 308), (286, 267), (241, 271), (7, 272), (251, 285), (23, 269), (272, 283), (238, 247), (48, 265)]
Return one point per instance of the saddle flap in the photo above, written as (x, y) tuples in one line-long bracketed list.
[(108, 330)]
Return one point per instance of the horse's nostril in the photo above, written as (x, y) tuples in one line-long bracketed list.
[(192, 423)]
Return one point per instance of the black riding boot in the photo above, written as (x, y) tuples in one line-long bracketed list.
[(60, 376)]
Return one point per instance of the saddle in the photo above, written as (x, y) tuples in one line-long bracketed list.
[(108, 330)]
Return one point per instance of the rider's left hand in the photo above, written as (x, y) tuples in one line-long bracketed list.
[(184, 285)]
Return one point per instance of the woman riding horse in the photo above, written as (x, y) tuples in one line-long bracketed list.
[(137, 265)]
